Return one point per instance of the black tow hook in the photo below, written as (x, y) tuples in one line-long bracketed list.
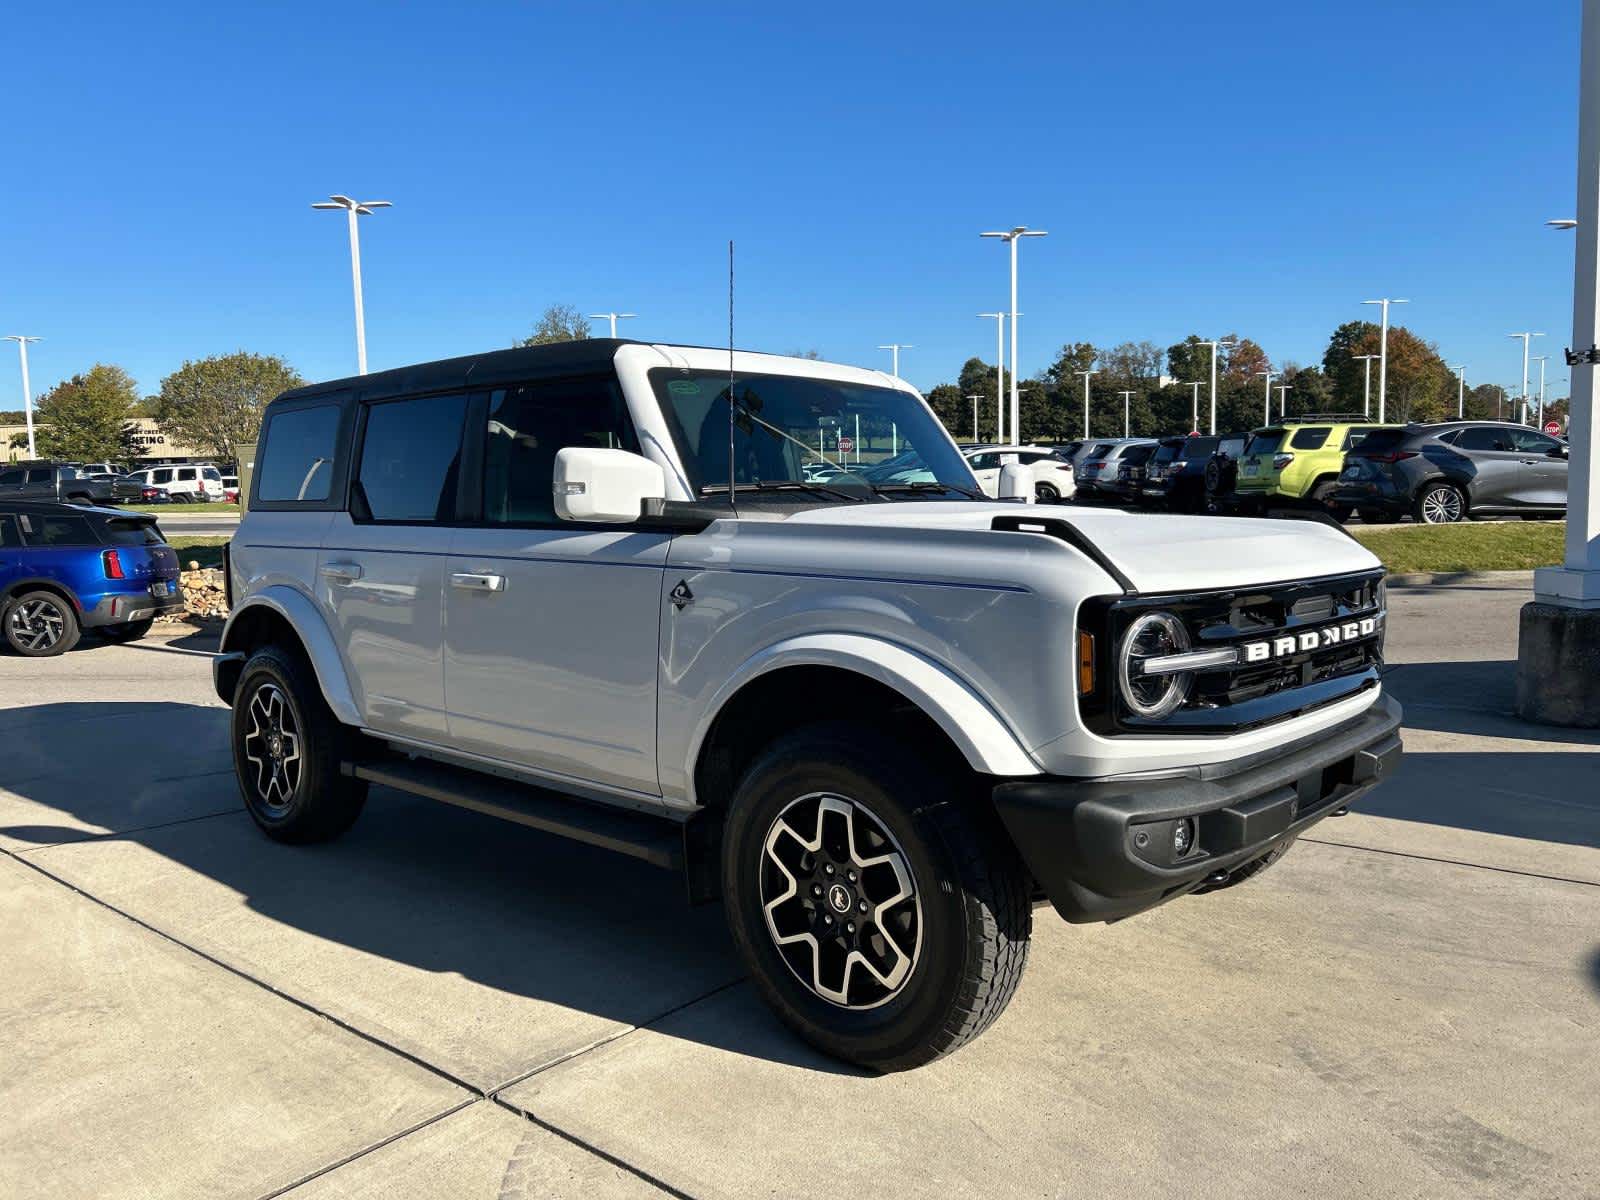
[(1216, 879), (1341, 812)]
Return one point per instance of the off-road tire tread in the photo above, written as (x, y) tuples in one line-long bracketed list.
[(337, 799)]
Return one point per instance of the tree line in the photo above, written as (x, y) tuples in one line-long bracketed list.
[(1421, 387)]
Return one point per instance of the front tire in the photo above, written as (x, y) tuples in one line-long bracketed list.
[(1441, 504), (884, 918), (286, 752), (41, 625)]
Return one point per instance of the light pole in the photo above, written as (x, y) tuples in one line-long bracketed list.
[(613, 317), (1283, 400), (1522, 417), (1195, 399), (22, 341), (1267, 412), (1085, 375), (354, 209), (1540, 359), (975, 398), (999, 375), (1461, 390), (1126, 427), (895, 348), (1230, 343), (1366, 388), (1383, 353), (1013, 236)]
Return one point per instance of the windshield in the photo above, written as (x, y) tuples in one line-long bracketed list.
[(1166, 452), (792, 430), (1197, 447)]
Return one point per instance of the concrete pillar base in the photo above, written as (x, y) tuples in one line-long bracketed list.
[(1558, 665)]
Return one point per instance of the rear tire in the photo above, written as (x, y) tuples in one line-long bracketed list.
[(1046, 493), (1440, 504), (932, 898), (1322, 497), (1371, 516), (287, 749), (41, 625)]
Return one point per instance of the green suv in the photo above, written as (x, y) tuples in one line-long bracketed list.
[(1298, 461)]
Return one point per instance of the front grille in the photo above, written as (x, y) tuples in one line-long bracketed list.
[(1246, 694)]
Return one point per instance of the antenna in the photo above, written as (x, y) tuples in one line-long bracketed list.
[(731, 504)]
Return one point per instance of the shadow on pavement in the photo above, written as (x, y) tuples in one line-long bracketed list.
[(431, 886), (1471, 698), (1594, 969), (1548, 797)]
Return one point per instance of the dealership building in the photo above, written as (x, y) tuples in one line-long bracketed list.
[(151, 446)]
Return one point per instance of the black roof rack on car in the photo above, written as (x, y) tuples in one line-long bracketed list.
[(1310, 418)]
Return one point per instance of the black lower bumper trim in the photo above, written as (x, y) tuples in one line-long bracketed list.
[(1104, 849)]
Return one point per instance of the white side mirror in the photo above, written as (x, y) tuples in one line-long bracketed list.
[(605, 486), (1016, 481)]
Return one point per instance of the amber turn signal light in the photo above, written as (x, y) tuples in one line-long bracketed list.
[(1085, 663)]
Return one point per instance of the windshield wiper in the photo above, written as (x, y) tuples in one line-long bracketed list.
[(926, 485), (786, 485)]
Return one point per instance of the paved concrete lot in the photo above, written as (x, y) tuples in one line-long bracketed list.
[(443, 1005)]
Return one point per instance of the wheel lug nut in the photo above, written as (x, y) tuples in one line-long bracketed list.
[(827, 920), (828, 870), (863, 906), (852, 876), (850, 927), (816, 889)]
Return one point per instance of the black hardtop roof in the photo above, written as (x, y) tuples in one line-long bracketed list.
[(476, 370), (65, 508)]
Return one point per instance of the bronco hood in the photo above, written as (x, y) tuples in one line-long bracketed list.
[(1158, 552)]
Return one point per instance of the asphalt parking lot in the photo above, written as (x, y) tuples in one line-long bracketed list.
[(443, 1005)]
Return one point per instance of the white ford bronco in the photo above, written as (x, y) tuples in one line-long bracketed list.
[(751, 618)]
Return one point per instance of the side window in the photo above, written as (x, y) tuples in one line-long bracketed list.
[(1483, 437), (186, 474), (12, 478), (10, 539), (411, 460), (296, 463), (161, 475), (1449, 437), (528, 424), (1353, 437), (1310, 438), (1530, 441), (41, 475), (983, 462), (58, 531)]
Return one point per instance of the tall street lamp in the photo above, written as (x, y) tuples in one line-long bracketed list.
[(613, 317), (1522, 416), (1230, 343), (354, 209), (1541, 359), (1461, 390), (1366, 387), (895, 348), (1085, 375), (975, 397), (1267, 411), (1126, 428), (1283, 400), (1383, 353), (1194, 424), (22, 341), (999, 375), (1012, 236)]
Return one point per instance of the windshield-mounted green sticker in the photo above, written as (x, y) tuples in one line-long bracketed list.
[(683, 387)]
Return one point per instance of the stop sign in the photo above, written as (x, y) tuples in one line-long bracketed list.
[(846, 444), (1553, 428)]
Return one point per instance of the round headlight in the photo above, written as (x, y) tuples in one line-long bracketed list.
[(1154, 635)]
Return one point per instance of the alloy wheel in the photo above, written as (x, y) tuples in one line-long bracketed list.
[(840, 901), (1441, 506), (272, 747), (37, 624)]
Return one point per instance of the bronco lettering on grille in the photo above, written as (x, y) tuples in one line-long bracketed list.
[(1311, 639)]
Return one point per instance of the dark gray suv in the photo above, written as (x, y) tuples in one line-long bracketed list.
[(1455, 470)]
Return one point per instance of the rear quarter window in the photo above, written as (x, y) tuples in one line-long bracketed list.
[(1311, 437), (1265, 442), (53, 531), (295, 465)]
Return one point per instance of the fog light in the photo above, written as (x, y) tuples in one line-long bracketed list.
[(1183, 837)]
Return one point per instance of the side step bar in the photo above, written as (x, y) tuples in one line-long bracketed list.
[(656, 840)]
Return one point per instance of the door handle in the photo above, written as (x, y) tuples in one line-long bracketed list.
[(471, 581), (1529, 462), (340, 572)]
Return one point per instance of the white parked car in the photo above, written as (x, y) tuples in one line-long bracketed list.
[(587, 587), (183, 483), (1050, 470)]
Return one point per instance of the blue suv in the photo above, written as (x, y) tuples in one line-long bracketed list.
[(66, 568)]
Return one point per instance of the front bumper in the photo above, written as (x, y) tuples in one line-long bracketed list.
[(1101, 849)]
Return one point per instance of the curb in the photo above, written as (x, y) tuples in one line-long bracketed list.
[(1417, 579)]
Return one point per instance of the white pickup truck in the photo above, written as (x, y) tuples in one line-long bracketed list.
[(881, 716)]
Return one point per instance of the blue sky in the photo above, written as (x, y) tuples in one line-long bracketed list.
[(1201, 168)]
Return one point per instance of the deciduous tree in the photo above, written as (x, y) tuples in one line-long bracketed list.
[(560, 323), (215, 404), (85, 419)]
